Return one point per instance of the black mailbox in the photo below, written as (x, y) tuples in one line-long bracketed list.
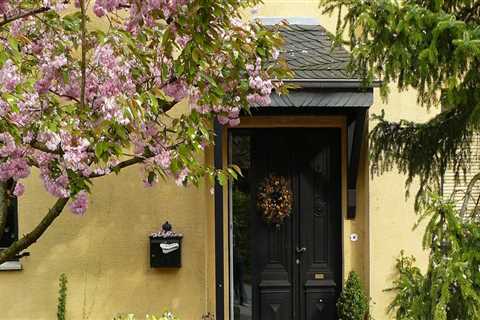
[(166, 252)]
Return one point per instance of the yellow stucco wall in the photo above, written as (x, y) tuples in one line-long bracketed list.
[(105, 253), (391, 216)]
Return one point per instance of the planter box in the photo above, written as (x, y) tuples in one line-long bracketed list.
[(162, 258)]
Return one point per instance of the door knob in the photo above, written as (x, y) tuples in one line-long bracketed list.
[(301, 250)]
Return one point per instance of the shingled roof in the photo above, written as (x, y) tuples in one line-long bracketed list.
[(308, 51), (320, 71)]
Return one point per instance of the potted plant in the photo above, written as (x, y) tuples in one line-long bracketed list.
[(353, 303)]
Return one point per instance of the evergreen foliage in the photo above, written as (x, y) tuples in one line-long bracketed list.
[(433, 47), (353, 303), (450, 288), (62, 297)]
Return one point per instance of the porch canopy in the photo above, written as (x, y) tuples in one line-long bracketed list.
[(323, 85)]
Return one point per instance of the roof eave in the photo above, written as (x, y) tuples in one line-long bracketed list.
[(332, 83)]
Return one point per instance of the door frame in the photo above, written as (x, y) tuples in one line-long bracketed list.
[(223, 212)]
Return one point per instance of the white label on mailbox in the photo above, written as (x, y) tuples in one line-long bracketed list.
[(169, 247)]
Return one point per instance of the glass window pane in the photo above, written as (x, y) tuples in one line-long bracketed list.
[(241, 207)]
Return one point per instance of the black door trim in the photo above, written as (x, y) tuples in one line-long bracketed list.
[(219, 240), (220, 260)]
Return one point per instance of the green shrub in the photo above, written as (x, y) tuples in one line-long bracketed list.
[(62, 297), (165, 316), (353, 303), (449, 289)]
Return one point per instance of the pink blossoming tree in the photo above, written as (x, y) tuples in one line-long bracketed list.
[(86, 86)]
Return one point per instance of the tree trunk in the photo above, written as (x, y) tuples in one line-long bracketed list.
[(35, 234)]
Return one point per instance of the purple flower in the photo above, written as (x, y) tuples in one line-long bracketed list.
[(3, 7), (223, 120), (15, 28), (43, 85), (80, 203), (19, 189), (183, 40), (256, 99), (57, 187), (177, 90), (163, 159), (182, 177), (101, 7), (9, 77)]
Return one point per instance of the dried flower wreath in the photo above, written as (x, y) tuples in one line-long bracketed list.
[(275, 199)]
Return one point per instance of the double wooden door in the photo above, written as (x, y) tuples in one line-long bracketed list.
[(296, 267)]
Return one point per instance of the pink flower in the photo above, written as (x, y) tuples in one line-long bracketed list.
[(182, 177), (19, 168), (8, 147), (3, 7), (105, 57), (19, 189), (80, 203), (163, 159), (223, 120), (101, 7), (275, 54), (36, 47), (57, 187), (99, 10), (4, 108), (183, 40), (9, 77), (51, 140), (15, 28), (177, 90), (43, 85), (256, 99), (234, 122), (14, 168)]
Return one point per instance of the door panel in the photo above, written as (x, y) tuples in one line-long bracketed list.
[(274, 285), (296, 267), (319, 223), (321, 304), (275, 303)]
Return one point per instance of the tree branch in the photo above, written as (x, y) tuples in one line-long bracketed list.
[(24, 15), (36, 233), (130, 162), (41, 147), (64, 96), (123, 164), (84, 54)]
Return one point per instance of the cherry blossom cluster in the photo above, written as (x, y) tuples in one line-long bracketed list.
[(10, 8), (9, 77), (141, 11), (78, 103), (263, 88), (15, 166)]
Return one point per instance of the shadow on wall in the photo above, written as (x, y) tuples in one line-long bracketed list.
[(106, 255)]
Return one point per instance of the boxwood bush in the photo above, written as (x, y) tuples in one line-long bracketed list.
[(353, 303)]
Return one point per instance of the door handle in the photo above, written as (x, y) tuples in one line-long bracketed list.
[(301, 250)]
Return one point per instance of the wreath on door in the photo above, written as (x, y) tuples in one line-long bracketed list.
[(274, 199)]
